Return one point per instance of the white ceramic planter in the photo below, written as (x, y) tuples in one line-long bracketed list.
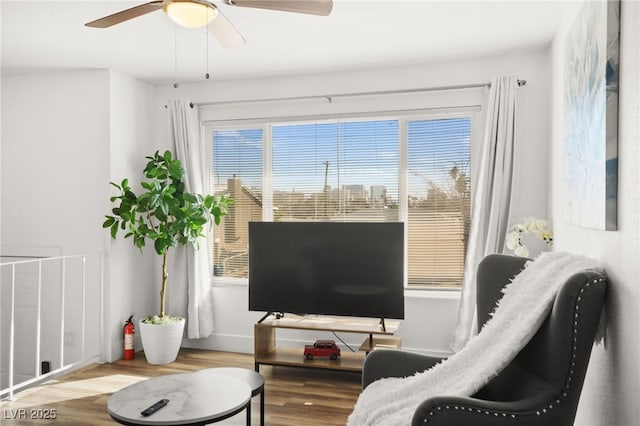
[(161, 342)]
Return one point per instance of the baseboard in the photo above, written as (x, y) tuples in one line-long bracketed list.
[(222, 342)]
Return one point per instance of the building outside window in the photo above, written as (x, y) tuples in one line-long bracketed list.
[(237, 172)]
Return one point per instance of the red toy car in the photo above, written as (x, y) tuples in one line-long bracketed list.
[(323, 348)]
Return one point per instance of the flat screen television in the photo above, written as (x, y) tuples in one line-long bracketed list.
[(327, 268)]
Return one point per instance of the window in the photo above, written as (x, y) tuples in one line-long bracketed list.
[(237, 171), (391, 169), (439, 202)]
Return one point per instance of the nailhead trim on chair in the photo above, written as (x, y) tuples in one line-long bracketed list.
[(544, 410)]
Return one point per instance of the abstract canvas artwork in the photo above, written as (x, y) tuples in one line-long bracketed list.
[(591, 116)]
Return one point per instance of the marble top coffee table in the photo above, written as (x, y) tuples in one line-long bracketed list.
[(194, 399), (250, 377)]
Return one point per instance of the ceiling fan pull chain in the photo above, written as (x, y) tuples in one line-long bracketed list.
[(206, 37), (175, 57)]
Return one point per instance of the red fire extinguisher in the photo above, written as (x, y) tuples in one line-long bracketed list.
[(129, 339)]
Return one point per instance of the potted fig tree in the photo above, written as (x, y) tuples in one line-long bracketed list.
[(165, 214)]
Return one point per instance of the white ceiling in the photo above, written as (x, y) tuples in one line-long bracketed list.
[(51, 35)]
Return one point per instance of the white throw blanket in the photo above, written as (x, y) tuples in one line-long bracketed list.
[(526, 302)]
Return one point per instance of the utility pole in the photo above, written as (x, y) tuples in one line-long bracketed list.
[(324, 189), (326, 173)]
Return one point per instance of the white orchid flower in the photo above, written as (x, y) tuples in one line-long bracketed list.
[(513, 240), (540, 227)]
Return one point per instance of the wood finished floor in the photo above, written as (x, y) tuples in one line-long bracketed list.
[(293, 396)]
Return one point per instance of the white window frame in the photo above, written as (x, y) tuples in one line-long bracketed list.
[(474, 112)]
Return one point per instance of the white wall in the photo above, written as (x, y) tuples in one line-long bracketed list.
[(429, 319), (131, 275), (54, 145), (64, 137), (613, 380)]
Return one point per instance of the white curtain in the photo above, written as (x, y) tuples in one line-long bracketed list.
[(190, 263), (491, 199)]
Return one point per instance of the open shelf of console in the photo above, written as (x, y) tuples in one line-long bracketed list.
[(267, 351)]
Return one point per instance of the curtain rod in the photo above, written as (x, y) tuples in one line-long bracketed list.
[(350, 95)]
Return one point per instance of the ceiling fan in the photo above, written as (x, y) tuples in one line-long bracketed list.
[(198, 13)]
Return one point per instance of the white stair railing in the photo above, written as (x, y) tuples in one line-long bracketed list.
[(72, 308)]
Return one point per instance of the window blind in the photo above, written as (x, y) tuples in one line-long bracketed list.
[(439, 192), (344, 170), (237, 171)]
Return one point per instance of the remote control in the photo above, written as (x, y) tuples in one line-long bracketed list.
[(155, 407)]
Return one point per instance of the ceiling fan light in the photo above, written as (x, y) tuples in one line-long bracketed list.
[(190, 13)]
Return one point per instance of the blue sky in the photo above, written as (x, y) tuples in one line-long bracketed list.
[(358, 152)]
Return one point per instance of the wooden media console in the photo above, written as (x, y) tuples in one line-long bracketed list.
[(266, 350)]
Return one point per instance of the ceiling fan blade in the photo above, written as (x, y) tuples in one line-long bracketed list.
[(224, 31), (311, 7), (125, 15)]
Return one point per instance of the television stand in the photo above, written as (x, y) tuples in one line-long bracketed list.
[(267, 352)]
